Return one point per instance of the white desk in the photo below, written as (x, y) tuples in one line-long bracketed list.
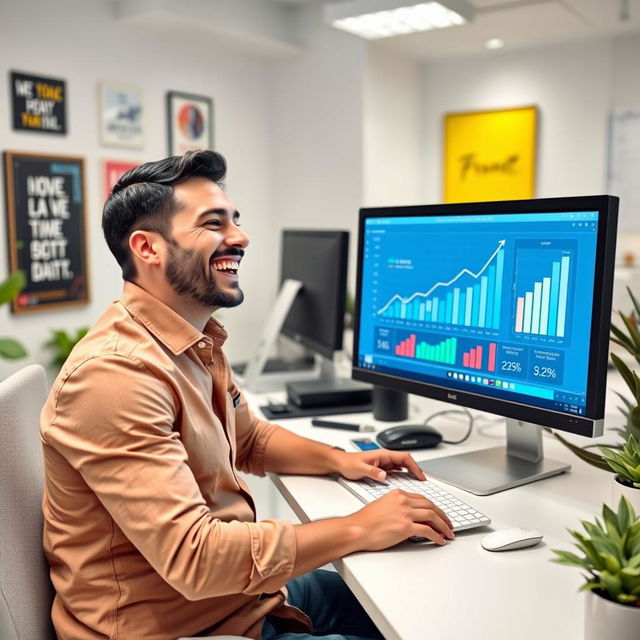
[(419, 591)]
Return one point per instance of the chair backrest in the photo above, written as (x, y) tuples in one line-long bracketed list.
[(26, 593)]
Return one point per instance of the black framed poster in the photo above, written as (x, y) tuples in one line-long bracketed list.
[(189, 122), (39, 103), (46, 229)]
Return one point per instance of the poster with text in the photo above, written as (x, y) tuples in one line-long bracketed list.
[(113, 171), (190, 120), (39, 103), (121, 116), (490, 155), (45, 197)]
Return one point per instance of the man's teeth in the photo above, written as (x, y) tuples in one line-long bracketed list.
[(224, 266)]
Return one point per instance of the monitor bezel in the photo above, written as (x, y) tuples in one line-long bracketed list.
[(324, 349), (591, 423)]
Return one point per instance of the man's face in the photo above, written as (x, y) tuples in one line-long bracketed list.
[(208, 245)]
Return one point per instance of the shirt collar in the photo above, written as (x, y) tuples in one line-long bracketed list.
[(165, 324)]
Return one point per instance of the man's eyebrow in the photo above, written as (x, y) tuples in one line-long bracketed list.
[(221, 211)]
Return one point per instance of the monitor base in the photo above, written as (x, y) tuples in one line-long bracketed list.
[(499, 468)]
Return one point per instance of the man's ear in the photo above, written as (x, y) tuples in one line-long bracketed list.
[(146, 246)]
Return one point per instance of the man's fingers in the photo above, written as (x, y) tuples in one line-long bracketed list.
[(430, 517), (425, 531), (420, 502)]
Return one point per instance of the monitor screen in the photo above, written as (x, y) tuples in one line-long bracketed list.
[(319, 260), (501, 306)]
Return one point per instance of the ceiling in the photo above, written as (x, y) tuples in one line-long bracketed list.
[(520, 23), (267, 27)]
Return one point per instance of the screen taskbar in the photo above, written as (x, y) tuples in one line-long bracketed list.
[(481, 383)]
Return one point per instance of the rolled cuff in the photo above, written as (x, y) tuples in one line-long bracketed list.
[(273, 553)]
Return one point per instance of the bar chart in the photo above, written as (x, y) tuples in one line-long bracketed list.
[(479, 357), (474, 304), (543, 292), (443, 352)]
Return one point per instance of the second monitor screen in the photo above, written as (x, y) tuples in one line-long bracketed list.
[(319, 260)]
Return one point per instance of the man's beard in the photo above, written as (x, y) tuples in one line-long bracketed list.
[(184, 273)]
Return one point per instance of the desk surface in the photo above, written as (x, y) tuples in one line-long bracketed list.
[(417, 591)]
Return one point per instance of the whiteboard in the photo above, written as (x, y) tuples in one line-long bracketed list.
[(623, 178)]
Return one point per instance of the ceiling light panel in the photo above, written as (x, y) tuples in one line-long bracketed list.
[(373, 19)]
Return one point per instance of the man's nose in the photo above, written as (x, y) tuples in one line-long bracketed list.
[(236, 237)]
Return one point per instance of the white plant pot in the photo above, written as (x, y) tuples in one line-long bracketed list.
[(630, 493), (608, 620)]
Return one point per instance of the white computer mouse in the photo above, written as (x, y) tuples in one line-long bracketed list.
[(508, 539)]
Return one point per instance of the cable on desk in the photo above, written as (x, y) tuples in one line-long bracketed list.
[(463, 410)]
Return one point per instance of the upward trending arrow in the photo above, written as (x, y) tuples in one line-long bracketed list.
[(443, 284)]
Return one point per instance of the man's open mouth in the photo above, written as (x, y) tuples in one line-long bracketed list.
[(227, 264)]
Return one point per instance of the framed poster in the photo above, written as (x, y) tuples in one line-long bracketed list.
[(46, 229), (113, 170), (121, 116), (39, 103), (190, 122), (490, 155)]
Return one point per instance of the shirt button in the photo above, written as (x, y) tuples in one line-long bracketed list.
[(202, 344)]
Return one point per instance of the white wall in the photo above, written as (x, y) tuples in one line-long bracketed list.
[(317, 130), (81, 42), (393, 125)]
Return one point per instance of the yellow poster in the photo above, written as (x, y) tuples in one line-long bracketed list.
[(490, 155)]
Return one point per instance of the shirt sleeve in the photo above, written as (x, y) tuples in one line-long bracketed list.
[(119, 436), (252, 436)]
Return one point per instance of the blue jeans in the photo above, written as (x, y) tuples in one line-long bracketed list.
[(335, 612)]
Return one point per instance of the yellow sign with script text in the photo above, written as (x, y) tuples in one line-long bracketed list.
[(490, 155)]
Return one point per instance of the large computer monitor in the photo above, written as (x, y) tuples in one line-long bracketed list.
[(499, 306)]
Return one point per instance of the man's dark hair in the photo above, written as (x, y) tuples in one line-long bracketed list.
[(143, 199)]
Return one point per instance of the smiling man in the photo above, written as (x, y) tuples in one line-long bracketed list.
[(150, 532)]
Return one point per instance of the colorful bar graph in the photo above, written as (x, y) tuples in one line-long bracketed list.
[(474, 358), (543, 309), (444, 352)]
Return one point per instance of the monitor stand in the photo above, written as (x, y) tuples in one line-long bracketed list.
[(255, 365), (492, 470)]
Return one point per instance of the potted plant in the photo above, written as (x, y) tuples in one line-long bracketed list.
[(11, 349), (611, 558), (627, 337), (625, 463)]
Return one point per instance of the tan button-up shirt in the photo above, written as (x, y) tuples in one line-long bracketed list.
[(149, 531)]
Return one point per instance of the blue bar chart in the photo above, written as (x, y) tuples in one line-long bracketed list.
[(477, 304), (543, 288)]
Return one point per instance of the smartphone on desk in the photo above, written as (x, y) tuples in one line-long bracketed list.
[(364, 444)]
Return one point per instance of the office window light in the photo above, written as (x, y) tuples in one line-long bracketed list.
[(373, 19)]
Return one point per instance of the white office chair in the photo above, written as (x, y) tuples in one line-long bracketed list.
[(25, 590), (26, 593)]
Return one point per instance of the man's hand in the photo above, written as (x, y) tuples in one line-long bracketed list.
[(398, 515), (374, 464)]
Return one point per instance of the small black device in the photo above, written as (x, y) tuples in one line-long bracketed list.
[(347, 426), (364, 444), (328, 393), (409, 436)]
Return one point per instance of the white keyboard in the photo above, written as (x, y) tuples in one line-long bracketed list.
[(462, 515)]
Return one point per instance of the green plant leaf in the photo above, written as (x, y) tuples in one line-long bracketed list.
[(11, 287), (592, 458), (625, 372), (634, 300), (632, 327), (11, 349)]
